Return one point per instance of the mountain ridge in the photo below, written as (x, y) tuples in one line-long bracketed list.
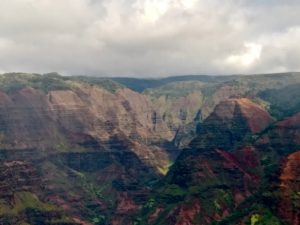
[(101, 153)]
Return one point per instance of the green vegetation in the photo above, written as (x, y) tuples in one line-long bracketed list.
[(253, 215), (174, 190), (105, 83), (263, 218), (284, 101), (222, 184), (140, 85), (24, 200), (255, 218), (99, 220), (170, 194), (13, 82), (176, 89)]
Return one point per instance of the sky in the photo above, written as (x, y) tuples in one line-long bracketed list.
[(149, 38)]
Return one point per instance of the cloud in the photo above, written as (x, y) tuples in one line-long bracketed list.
[(149, 37), (251, 54)]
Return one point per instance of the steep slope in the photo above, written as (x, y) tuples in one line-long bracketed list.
[(20, 202), (278, 100), (290, 189), (32, 118), (97, 149), (227, 180), (282, 136), (185, 101), (185, 104), (179, 104), (81, 150), (231, 122)]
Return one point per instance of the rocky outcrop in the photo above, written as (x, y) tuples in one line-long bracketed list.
[(289, 207), (21, 196), (255, 117), (88, 143), (221, 94), (231, 122), (219, 172), (17, 176), (282, 136), (185, 214), (236, 180), (85, 116), (84, 139), (88, 151)]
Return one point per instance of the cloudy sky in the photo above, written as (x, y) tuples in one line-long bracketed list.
[(149, 37)]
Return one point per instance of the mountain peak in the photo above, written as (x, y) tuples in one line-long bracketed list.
[(230, 123), (257, 117)]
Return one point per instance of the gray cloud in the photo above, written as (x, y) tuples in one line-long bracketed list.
[(149, 37)]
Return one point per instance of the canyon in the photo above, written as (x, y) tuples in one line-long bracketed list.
[(180, 150)]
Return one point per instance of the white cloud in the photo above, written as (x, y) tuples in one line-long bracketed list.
[(149, 37), (153, 10), (251, 54)]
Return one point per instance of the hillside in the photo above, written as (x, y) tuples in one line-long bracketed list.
[(249, 174), (178, 150)]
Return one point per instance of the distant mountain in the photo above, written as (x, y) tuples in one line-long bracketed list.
[(178, 150), (141, 84)]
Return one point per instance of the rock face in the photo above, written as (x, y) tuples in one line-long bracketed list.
[(235, 171), (82, 117), (216, 172), (290, 189), (17, 176), (77, 150), (95, 150), (223, 93), (230, 123), (284, 136), (186, 214), (20, 202)]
